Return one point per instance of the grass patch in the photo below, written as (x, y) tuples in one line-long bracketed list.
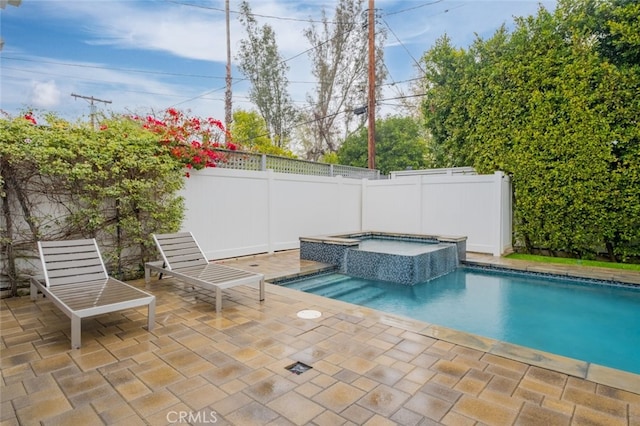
[(569, 261)]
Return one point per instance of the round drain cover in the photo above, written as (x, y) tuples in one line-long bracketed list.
[(309, 314)]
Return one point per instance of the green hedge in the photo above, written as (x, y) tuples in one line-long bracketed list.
[(555, 105)]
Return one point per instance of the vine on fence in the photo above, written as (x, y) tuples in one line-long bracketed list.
[(118, 184)]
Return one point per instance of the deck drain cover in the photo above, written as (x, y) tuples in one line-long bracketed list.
[(298, 368), (309, 314)]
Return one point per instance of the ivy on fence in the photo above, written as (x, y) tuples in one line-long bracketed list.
[(117, 184)]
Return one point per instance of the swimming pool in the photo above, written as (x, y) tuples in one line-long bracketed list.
[(578, 319)]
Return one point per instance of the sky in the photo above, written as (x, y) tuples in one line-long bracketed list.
[(144, 56)]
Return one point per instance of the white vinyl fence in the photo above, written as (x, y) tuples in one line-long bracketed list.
[(238, 212)]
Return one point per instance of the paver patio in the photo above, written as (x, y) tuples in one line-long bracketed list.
[(200, 367)]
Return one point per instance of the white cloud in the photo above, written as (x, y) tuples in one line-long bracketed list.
[(192, 32), (45, 94), (154, 37)]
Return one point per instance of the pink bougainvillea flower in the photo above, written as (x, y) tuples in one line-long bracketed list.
[(30, 117), (195, 122), (191, 140), (216, 123)]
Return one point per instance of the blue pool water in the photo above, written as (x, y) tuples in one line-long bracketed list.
[(589, 322)]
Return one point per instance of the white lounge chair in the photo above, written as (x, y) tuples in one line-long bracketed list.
[(76, 281), (183, 259)]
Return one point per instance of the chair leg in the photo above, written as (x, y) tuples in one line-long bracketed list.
[(33, 291), (262, 289), (151, 315), (218, 299), (76, 331)]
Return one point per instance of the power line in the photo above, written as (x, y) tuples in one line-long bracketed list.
[(281, 18), (288, 18), (393, 84), (398, 38), (352, 28), (417, 95), (335, 114), (120, 90), (304, 123), (405, 47), (112, 68), (124, 69), (202, 96), (224, 77), (402, 81), (413, 8)]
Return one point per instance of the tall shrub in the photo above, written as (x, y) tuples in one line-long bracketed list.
[(550, 105)]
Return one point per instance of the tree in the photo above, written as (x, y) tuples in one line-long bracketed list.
[(612, 27), (400, 144), (550, 105), (447, 71), (339, 63), (250, 130), (262, 64)]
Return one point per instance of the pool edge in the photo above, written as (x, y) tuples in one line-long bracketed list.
[(608, 376)]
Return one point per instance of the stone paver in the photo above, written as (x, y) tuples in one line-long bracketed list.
[(369, 368)]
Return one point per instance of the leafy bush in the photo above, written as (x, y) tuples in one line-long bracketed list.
[(117, 184), (555, 105)]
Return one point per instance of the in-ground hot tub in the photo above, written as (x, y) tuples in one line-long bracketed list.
[(402, 258)]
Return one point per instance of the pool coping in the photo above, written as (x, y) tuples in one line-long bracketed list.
[(603, 275), (596, 373)]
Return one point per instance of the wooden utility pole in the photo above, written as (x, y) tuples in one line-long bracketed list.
[(92, 106), (371, 105), (227, 96)]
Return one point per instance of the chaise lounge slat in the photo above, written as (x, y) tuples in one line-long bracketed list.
[(82, 288), (183, 259), (85, 273)]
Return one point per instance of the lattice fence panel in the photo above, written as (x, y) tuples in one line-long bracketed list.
[(251, 161)]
